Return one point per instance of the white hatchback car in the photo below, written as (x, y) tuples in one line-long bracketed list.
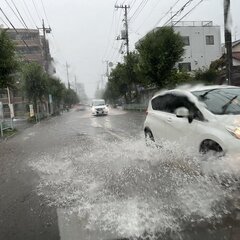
[(205, 118)]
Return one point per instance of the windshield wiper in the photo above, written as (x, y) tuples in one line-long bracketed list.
[(207, 92), (225, 106)]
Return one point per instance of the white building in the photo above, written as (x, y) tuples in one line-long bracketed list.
[(202, 44), (236, 53)]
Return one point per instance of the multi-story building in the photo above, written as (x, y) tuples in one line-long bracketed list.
[(30, 47), (202, 44)]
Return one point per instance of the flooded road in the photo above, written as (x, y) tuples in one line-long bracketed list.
[(93, 178)]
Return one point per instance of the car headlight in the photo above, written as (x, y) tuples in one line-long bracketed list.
[(234, 131)]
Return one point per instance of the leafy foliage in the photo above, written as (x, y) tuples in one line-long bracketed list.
[(57, 89), (153, 65), (70, 97), (159, 51), (8, 62), (35, 82)]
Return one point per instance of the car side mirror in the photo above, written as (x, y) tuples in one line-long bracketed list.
[(182, 112)]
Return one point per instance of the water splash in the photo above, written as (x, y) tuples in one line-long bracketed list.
[(131, 189)]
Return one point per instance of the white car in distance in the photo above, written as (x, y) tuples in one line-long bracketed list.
[(205, 119), (99, 107)]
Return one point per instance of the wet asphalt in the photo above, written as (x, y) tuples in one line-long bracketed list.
[(23, 214), (27, 215)]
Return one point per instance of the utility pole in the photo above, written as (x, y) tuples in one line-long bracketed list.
[(45, 45), (76, 84), (126, 37), (67, 66), (228, 41)]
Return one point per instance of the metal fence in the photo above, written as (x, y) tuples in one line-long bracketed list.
[(6, 124), (135, 107)]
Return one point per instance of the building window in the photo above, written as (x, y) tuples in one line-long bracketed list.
[(210, 40), (185, 67), (186, 40)]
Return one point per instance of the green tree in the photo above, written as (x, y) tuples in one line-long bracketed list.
[(8, 61), (70, 97), (57, 89), (159, 52), (124, 80), (34, 83)]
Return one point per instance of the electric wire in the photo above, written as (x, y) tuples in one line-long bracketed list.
[(179, 11), (166, 13), (45, 13), (109, 35), (150, 13), (117, 30), (20, 15), (26, 6), (137, 9), (15, 13), (35, 7), (132, 4), (143, 6), (13, 27), (188, 12)]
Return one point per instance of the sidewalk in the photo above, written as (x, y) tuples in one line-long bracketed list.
[(20, 124)]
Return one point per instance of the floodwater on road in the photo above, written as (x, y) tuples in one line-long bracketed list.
[(106, 184)]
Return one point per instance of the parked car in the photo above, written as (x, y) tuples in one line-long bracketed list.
[(99, 107), (206, 119)]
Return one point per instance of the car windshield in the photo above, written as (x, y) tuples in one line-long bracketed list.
[(221, 101), (98, 103)]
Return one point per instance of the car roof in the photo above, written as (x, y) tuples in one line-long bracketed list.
[(188, 89)]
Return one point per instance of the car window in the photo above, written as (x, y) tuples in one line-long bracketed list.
[(170, 102), (162, 103), (183, 101)]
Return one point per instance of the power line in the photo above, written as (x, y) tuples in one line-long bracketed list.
[(111, 28), (137, 9), (188, 12), (26, 6), (19, 13), (35, 7), (179, 11), (117, 29), (15, 14), (132, 4), (143, 6), (45, 13), (13, 27), (149, 15), (166, 13)]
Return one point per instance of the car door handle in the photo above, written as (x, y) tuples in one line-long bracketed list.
[(169, 119)]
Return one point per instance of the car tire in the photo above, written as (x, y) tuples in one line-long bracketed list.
[(149, 139), (210, 148)]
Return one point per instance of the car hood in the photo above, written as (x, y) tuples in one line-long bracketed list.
[(99, 107), (229, 120)]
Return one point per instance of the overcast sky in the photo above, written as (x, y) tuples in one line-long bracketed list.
[(83, 31)]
